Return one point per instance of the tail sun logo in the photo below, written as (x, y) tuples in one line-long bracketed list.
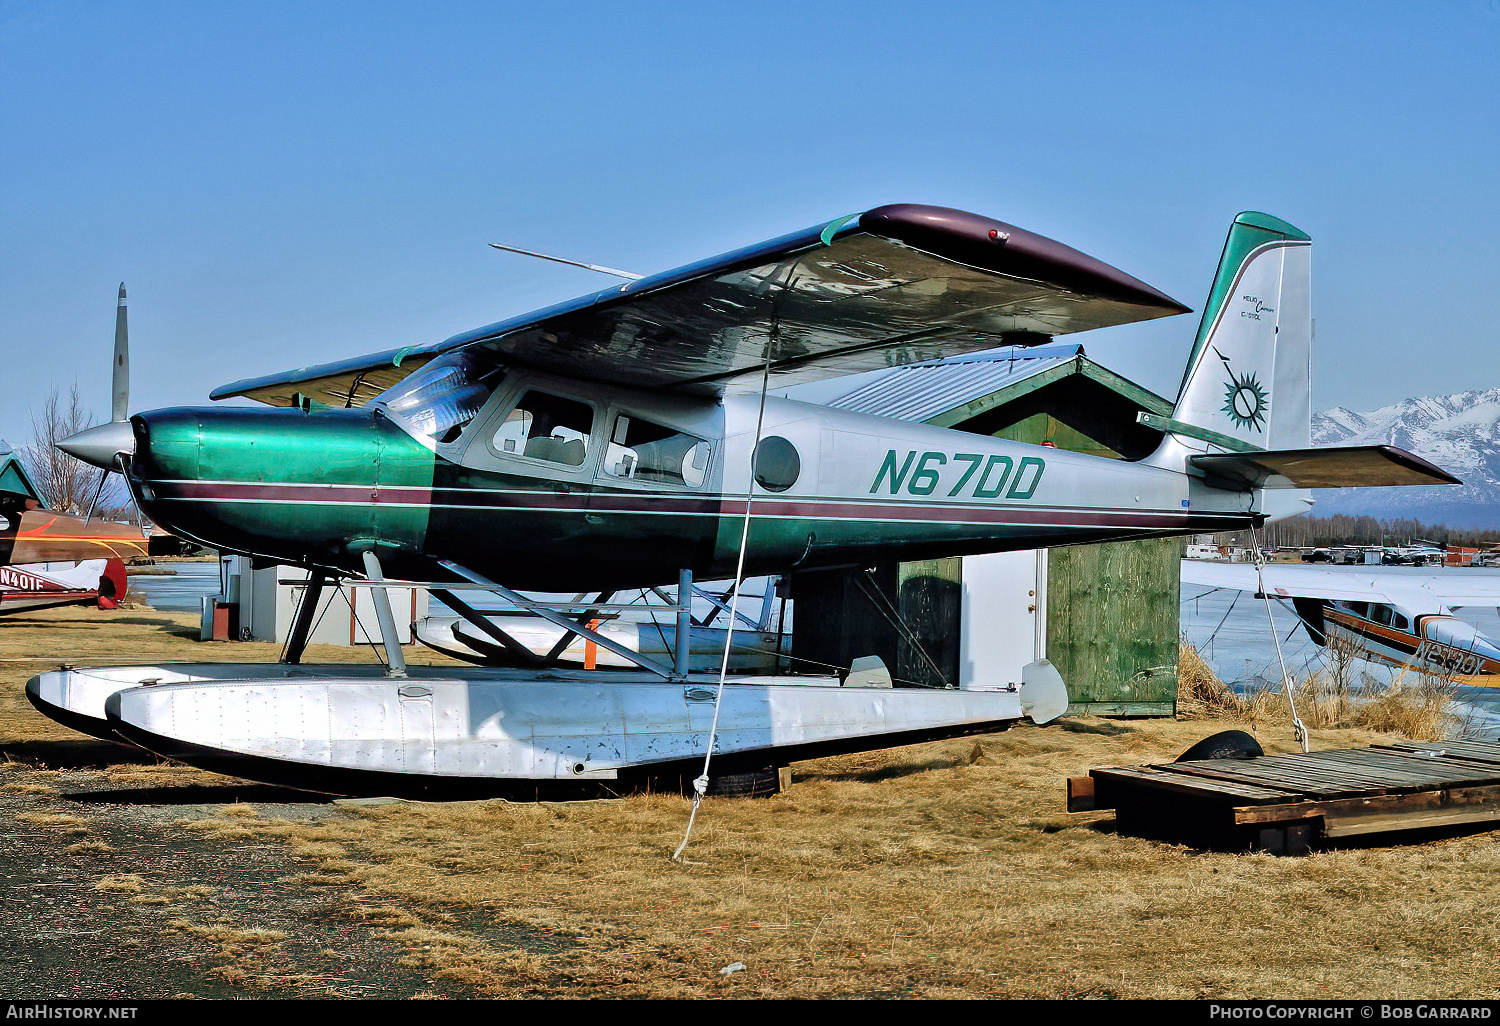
[(1245, 400)]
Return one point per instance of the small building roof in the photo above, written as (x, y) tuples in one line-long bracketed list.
[(948, 392), (1051, 395)]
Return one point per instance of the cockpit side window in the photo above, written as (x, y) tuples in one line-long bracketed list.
[(642, 451), (547, 427), (436, 403)]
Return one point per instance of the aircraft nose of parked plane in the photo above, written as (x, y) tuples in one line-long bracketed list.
[(281, 483), (100, 446)]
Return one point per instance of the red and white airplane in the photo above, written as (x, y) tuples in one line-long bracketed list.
[(42, 585)]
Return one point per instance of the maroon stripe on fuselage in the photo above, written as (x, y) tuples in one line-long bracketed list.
[(252, 491), (624, 502)]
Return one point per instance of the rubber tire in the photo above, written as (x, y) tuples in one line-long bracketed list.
[(1226, 744), (758, 783)]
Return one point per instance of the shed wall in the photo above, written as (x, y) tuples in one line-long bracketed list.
[(1112, 625)]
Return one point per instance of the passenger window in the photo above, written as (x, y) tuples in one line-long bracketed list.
[(547, 427), (643, 451), (1381, 614), (1400, 622), (1360, 609)]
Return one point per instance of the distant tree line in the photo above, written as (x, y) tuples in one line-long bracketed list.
[(1342, 529), (65, 484)]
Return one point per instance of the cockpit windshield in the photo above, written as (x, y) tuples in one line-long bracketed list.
[(435, 403)]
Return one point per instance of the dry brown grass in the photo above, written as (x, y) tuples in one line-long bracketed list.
[(943, 870), (127, 883), (916, 872), (1413, 705), (1200, 693)]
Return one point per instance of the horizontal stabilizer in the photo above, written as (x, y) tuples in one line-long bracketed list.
[(1359, 466)]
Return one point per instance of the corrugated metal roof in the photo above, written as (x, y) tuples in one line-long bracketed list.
[(921, 391)]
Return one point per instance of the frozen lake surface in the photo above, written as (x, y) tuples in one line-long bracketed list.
[(179, 592)]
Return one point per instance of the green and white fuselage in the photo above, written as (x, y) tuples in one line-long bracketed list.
[(321, 488)]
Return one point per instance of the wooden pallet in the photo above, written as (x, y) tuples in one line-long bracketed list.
[(1287, 804)]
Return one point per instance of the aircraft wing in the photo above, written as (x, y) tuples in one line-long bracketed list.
[(45, 537), (344, 383), (1414, 590), (1286, 581), (893, 285)]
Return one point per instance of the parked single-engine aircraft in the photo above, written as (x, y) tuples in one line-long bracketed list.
[(32, 586), (1398, 618), (625, 439), (49, 559)]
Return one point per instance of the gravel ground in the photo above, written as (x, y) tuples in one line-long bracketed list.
[(107, 896)]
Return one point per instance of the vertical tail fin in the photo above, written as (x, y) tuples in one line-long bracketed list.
[(1249, 375)]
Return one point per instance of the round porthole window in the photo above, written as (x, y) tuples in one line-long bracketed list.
[(776, 464)]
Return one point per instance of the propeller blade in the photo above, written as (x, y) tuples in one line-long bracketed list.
[(120, 399)]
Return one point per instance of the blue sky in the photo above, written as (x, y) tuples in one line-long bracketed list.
[(283, 184)]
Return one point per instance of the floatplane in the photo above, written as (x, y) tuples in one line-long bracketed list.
[(629, 439), (1397, 618)]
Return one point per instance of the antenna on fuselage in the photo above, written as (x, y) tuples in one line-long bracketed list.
[(571, 263)]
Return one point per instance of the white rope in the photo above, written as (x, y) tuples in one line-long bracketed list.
[(1286, 676), (700, 783)]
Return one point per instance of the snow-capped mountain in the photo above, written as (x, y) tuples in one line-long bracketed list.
[(1460, 433)]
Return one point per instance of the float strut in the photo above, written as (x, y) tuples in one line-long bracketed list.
[(387, 619), (296, 642), (552, 616), (684, 622)]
